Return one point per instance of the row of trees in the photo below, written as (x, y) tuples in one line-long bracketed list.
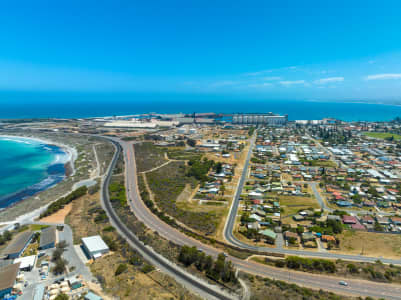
[(219, 269), (5, 237), (307, 264), (60, 203)]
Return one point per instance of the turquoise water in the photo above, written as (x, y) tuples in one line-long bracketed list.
[(79, 105), (27, 166)]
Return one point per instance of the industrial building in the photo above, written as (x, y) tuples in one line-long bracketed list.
[(260, 119), (48, 238), (18, 245), (26, 263), (8, 277), (94, 246)]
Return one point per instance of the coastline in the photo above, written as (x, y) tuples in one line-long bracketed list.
[(67, 159)]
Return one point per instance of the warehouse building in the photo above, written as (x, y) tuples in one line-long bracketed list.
[(18, 245), (260, 119), (8, 276), (48, 238), (94, 246)]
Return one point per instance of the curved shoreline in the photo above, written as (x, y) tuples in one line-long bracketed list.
[(70, 154)]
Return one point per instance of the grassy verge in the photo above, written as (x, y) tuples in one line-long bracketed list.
[(265, 288), (383, 135), (345, 269)]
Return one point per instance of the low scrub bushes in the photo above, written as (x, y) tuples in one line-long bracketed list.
[(60, 203)]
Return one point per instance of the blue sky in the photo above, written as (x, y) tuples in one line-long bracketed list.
[(317, 50)]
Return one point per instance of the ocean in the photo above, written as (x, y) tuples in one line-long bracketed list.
[(28, 166), (83, 105)]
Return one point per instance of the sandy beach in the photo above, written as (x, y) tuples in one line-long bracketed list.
[(78, 155), (71, 152)]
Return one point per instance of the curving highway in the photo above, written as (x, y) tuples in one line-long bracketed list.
[(330, 283), (191, 282)]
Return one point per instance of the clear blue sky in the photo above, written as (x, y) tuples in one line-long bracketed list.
[(329, 50)]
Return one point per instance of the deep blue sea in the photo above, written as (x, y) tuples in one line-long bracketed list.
[(27, 167), (81, 105)]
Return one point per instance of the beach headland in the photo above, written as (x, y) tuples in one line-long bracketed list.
[(79, 164), (58, 169)]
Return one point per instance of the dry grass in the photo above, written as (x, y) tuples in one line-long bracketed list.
[(370, 244), (59, 216), (132, 284), (292, 204)]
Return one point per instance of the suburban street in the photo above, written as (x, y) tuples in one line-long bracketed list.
[(355, 287)]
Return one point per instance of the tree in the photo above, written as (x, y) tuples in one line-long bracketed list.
[(62, 296), (62, 245), (208, 263), (219, 167), (378, 227), (120, 269), (300, 229), (200, 263), (191, 142), (7, 235), (57, 254), (352, 268), (60, 266)]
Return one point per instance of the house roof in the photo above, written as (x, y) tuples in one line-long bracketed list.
[(269, 233), (358, 226), (289, 234), (8, 275), (349, 219), (328, 238)]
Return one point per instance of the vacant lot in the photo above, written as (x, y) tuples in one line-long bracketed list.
[(292, 204), (383, 135), (371, 244), (87, 218), (148, 156), (167, 183), (59, 216)]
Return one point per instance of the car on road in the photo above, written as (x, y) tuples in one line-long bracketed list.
[(344, 283)]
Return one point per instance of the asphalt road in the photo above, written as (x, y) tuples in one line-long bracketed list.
[(330, 283), (193, 283), (229, 236)]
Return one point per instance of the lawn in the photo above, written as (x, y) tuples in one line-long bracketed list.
[(292, 204), (383, 135), (370, 244)]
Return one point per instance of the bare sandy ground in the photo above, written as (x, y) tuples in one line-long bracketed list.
[(59, 216)]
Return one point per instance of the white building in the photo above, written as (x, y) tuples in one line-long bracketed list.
[(26, 263), (94, 246)]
